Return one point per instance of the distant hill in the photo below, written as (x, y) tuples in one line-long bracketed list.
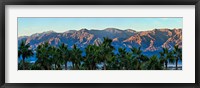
[(150, 41)]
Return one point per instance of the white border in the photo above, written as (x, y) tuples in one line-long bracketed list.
[(187, 75)]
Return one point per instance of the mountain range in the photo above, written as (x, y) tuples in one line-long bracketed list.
[(150, 41)]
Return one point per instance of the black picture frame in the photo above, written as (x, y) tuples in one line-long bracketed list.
[(99, 2)]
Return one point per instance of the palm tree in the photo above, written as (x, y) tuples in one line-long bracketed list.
[(177, 54), (76, 57), (65, 53), (92, 56), (55, 57), (137, 54), (44, 56), (106, 51), (162, 59), (112, 63), (24, 51), (125, 58), (121, 57), (166, 56), (154, 63)]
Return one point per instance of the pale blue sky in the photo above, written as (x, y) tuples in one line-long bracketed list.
[(28, 26)]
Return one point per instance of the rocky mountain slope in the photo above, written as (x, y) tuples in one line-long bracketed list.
[(150, 41)]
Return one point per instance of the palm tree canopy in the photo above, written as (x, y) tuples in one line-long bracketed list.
[(24, 50)]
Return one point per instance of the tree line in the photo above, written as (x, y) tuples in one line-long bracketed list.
[(97, 57)]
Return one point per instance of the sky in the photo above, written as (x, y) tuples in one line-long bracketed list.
[(28, 26)]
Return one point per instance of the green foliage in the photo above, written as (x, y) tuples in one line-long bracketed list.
[(44, 56), (177, 54), (76, 57), (98, 57), (152, 64), (64, 54), (24, 51)]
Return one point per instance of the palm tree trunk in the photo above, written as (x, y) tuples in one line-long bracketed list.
[(72, 65), (166, 65), (90, 68), (48, 68), (176, 64), (23, 62), (77, 66), (104, 66), (59, 67), (55, 66), (66, 65), (93, 66)]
